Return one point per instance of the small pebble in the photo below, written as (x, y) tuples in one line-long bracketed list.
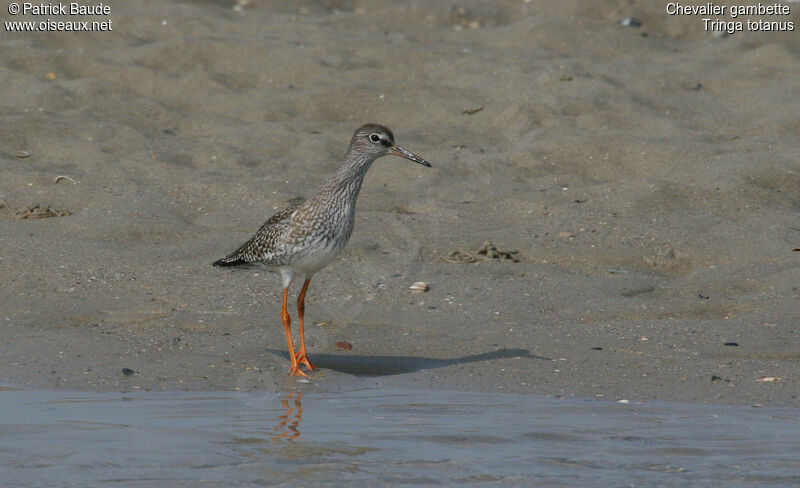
[(344, 346), (22, 154), (630, 22), (732, 344), (128, 371)]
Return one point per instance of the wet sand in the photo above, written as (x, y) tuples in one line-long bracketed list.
[(647, 176)]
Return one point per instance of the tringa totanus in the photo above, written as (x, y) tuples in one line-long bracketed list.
[(304, 238)]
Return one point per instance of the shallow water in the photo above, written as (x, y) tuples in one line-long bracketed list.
[(393, 437)]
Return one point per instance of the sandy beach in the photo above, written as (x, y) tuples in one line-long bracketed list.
[(639, 182)]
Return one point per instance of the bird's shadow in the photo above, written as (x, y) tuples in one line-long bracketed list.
[(360, 365)]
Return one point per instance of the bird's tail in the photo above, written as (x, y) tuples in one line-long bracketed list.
[(240, 257), (234, 259)]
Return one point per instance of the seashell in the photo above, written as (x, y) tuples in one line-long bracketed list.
[(419, 287)]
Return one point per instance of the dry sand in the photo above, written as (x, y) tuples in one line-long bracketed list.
[(648, 177)]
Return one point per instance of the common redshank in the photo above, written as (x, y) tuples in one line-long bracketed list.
[(302, 239)]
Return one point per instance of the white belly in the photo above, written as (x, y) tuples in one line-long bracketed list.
[(316, 259)]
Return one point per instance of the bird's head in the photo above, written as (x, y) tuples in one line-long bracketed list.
[(377, 140)]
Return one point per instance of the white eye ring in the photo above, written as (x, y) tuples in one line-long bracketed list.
[(374, 138)]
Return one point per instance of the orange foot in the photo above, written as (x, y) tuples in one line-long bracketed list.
[(295, 370), (302, 358)]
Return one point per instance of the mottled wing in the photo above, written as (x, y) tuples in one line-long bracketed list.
[(265, 246)]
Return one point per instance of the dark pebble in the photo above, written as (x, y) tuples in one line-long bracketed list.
[(704, 297), (597, 349), (127, 371), (733, 344)]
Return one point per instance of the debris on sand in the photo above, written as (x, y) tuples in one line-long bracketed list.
[(666, 259), (65, 177), (37, 211), (344, 346), (486, 252)]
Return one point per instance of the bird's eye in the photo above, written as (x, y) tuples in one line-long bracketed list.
[(375, 138)]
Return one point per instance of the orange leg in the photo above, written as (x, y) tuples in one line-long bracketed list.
[(302, 356), (294, 369)]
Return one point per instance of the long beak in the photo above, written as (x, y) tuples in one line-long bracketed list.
[(399, 151)]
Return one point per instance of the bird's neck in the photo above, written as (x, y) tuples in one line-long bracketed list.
[(348, 178)]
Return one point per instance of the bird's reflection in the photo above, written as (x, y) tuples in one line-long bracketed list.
[(289, 426)]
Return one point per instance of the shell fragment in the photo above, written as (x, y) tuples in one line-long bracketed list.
[(419, 287)]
